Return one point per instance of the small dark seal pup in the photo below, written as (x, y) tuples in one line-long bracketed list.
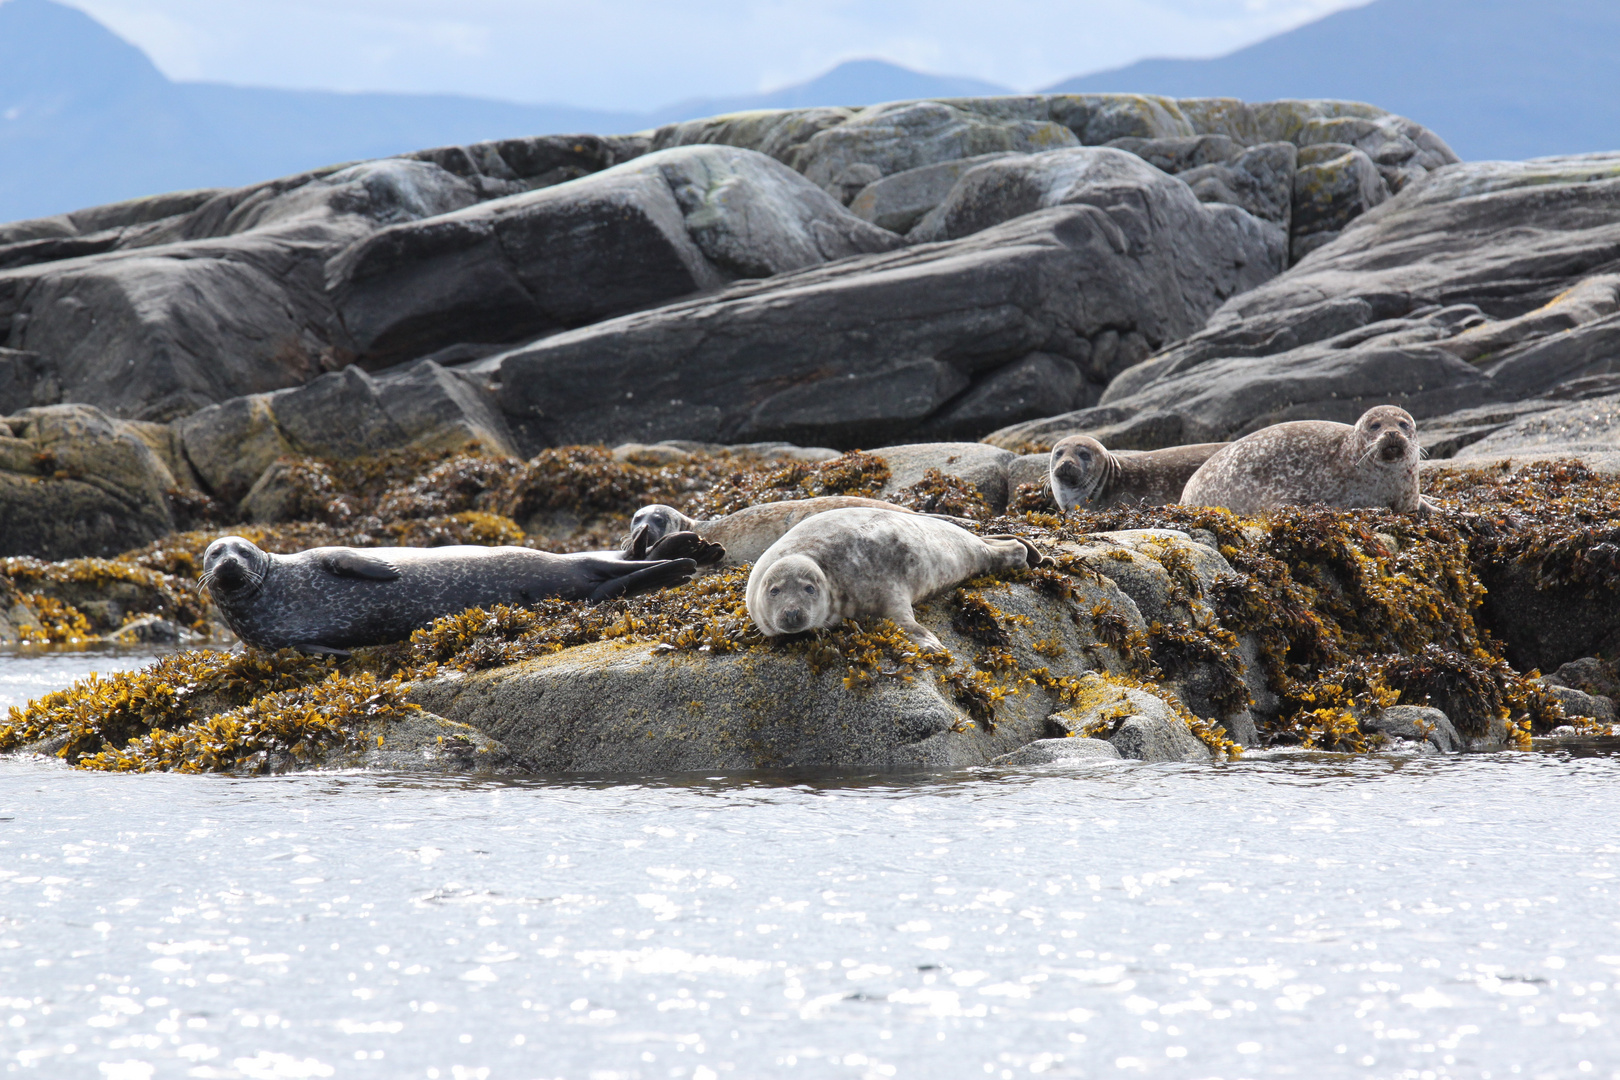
[(332, 599), (1086, 474), (860, 562), (1317, 462)]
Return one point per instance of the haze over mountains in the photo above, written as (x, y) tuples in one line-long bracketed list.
[(87, 118)]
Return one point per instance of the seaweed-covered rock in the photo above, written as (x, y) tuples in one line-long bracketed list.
[(1418, 724)]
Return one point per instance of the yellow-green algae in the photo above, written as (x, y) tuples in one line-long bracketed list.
[(1350, 609)]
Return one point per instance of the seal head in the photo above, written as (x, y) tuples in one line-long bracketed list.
[(1082, 470), (234, 568), (799, 596)]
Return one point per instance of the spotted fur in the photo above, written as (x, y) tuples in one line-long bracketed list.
[(1085, 474), (335, 598), (745, 534), (1316, 462)]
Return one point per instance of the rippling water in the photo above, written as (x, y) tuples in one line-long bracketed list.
[(1288, 915)]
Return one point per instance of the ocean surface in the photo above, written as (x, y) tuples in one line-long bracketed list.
[(1288, 915)]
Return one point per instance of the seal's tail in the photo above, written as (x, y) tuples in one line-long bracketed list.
[(658, 576)]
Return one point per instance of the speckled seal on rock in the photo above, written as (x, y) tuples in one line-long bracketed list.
[(861, 562), (1086, 474), (336, 598), (1316, 462), (744, 534)]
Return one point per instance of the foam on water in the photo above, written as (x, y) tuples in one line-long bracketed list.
[(1288, 915)]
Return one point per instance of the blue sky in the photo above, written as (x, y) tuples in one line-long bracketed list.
[(640, 53)]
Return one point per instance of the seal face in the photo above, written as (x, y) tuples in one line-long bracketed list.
[(336, 598), (744, 534), (861, 562), (1085, 474), (1306, 462)]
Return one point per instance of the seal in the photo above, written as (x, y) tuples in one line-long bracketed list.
[(869, 563), (744, 534), (332, 599), (1317, 462), (1086, 474)]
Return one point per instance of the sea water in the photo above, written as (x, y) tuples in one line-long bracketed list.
[(1290, 914)]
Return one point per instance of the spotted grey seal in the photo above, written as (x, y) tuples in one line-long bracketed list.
[(332, 599), (1086, 474), (863, 562), (1305, 462), (746, 533)]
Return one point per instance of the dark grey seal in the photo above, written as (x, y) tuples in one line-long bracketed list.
[(332, 599)]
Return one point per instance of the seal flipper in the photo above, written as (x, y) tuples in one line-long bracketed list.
[(347, 562), (681, 545), (656, 576), (310, 649), (1032, 556)]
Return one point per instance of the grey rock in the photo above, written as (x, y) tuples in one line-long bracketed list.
[(74, 482), (612, 708), (1259, 180), (907, 135), (1177, 155), (1058, 751), (864, 351), (985, 467), (899, 201), (1038, 385), (1567, 431), (1145, 726), (1590, 674), (650, 230), (1418, 724), (339, 416), (1334, 185), (1351, 326), (26, 380), (1029, 469), (853, 180), (1580, 703)]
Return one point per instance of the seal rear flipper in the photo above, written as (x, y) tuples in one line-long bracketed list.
[(346, 562), (657, 576), (1032, 554), (683, 545), (311, 649)]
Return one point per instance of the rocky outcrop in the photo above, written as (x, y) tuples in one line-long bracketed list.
[(642, 233), (868, 350), (1477, 286)]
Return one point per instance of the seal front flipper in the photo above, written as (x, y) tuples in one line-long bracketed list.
[(347, 562), (309, 649), (681, 545), (656, 576)]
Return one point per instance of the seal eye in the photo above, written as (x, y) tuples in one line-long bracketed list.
[(811, 589), (1377, 427), (776, 590)]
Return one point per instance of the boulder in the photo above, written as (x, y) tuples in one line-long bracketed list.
[(1059, 751), (1029, 469), (1135, 723), (1037, 385), (74, 482), (342, 415), (869, 349), (1580, 703), (1572, 430), (662, 226), (1594, 676), (985, 467), (899, 201), (1481, 246), (634, 709), (1418, 724), (1334, 185)]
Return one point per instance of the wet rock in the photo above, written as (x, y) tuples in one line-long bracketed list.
[(1595, 676), (76, 482), (1029, 469), (1055, 751), (1142, 725), (1417, 724), (150, 630), (1580, 703), (659, 227)]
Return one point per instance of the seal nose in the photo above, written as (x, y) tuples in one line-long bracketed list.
[(791, 618), (229, 573), (1068, 472), (1393, 448)]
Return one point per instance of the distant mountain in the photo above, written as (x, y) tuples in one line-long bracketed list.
[(87, 118), (1496, 78)]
